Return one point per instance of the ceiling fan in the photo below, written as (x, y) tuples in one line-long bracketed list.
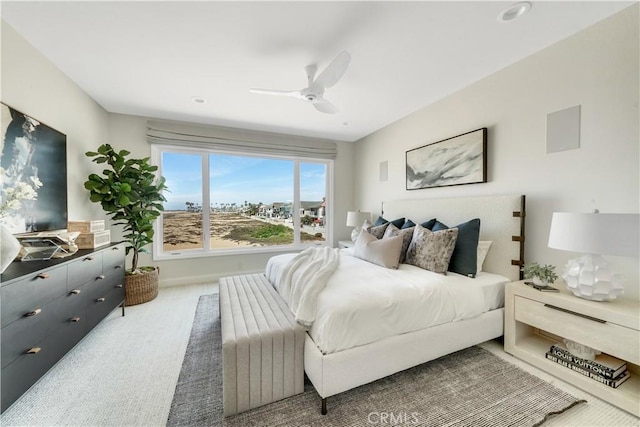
[(315, 89)]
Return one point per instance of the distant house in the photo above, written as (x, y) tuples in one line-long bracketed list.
[(313, 209)]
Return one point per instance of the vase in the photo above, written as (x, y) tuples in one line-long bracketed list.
[(9, 248)]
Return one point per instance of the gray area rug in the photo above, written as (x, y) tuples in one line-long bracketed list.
[(197, 400), (472, 387)]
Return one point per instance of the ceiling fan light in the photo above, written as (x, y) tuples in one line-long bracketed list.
[(514, 11)]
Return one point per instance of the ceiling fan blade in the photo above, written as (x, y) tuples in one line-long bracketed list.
[(325, 106), (333, 73), (293, 93)]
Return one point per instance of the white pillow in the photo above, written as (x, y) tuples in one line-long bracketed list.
[(384, 252), (483, 249)]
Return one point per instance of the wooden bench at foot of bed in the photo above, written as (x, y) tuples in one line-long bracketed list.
[(262, 345)]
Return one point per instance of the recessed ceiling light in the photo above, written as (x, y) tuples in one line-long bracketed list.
[(514, 11), (198, 100)]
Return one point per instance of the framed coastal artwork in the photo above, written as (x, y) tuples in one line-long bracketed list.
[(33, 172), (458, 160)]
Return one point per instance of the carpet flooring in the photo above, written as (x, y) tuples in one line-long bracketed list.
[(472, 387)]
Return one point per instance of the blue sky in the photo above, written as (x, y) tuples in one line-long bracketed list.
[(234, 179)]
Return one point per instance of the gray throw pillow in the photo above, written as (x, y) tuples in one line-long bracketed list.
[(406, 233), (431, 250), (376, 230), (385, 252)]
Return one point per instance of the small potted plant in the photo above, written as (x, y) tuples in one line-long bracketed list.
[(541, 275), (131, 193)]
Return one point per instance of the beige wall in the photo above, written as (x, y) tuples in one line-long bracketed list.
[(597, 69), (32, 85)]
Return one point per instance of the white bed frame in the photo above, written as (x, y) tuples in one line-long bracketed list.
[(502, 222)]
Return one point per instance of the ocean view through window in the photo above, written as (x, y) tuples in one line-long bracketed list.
[(246, 203)]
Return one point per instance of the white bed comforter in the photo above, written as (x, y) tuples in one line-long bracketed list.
[(362, 302), (303, 278)]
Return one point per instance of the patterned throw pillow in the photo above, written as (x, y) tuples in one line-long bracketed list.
[(465, 255), (375, 230), (406, 233), (431, 250)]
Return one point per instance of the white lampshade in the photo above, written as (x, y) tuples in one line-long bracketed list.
[(590, 276), (595, 233), (356, 219)]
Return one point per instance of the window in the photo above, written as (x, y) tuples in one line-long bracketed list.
[(222, 203)]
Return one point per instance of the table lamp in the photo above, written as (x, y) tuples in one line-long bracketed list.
[(594, 234), (356, 219)]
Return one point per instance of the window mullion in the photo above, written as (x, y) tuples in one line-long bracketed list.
[(206, 204), (296, 203)]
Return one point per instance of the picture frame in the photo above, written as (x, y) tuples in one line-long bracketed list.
[(33, 165), (458, 160)]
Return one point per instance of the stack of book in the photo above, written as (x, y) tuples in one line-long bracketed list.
[(604, 368), (92, 233)]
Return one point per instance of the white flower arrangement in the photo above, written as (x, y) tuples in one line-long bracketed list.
[(12, 197)]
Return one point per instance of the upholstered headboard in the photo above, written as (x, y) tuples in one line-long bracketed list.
[(501, 221)]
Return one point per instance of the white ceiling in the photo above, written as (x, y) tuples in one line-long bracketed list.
[(151, 58)]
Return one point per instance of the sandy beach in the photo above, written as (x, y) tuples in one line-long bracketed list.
[(183, 230)]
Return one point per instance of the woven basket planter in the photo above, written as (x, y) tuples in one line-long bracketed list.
[(140, 288)]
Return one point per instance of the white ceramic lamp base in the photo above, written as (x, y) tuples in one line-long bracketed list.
[(591, 277), (9, 248)]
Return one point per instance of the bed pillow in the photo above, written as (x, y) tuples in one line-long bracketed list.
[(384, 252), (406, 233), (408, 224), (483, 249), (375, 230), (397, 222), (429, 224), (431, 250), (465, 255)]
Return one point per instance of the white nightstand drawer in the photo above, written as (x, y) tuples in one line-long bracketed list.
[(604, 336)]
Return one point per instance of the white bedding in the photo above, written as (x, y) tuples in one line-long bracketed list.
[(377, 302)]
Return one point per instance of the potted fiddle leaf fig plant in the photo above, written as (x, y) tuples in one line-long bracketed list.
[(132, 194), (541, 275)]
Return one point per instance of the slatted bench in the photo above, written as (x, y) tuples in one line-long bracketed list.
[(262, 345)]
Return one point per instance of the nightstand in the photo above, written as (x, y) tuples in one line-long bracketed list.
[(345, 244), (535, 320)]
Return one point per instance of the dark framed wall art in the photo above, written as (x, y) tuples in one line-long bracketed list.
[(458, 160), (33, 172)]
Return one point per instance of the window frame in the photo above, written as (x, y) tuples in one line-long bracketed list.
[(158, 252)]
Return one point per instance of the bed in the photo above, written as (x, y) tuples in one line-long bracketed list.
[(372, 322)]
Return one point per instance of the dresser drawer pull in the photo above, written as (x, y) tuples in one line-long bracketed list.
[(42, 276), (101, 299), (75, 291), (89, 258), (115, 248), (34, 312), (75, 319), (100, 277), (117, 267), (119, 285), (595, 319), (33, 350)]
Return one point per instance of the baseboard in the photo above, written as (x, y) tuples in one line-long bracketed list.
[(196, 280)]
